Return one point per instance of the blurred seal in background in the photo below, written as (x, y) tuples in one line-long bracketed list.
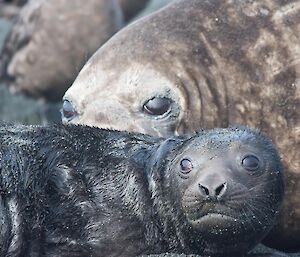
[(50, 42)]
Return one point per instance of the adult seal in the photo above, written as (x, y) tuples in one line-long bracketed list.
[(82, 191), (203, 64)]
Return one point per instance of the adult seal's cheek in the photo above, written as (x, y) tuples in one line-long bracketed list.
[(115, 116)]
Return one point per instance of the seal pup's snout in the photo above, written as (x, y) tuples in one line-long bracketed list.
[(212, 191), (213, 180)]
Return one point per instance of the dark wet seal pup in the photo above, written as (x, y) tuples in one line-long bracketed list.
[(82, 191), (50, 42), (208, 64)]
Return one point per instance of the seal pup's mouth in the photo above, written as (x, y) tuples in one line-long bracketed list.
[(214, 218)]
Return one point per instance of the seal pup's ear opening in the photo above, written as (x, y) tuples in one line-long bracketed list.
[(155, 168)]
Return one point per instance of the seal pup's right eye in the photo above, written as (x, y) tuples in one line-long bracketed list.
[(157, 106), (68, 111), (251, 163), (186, 166)]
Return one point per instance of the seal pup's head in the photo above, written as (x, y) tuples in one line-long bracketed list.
[(218, 191)]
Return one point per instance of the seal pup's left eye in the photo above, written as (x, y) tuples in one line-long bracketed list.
[(186, 166), (157, 106), (250, 163)]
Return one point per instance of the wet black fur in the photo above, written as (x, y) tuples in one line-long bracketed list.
[(81, 191)]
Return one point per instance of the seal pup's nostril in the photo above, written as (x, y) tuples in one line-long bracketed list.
[(204, 191), (209, 191), (221, 189)]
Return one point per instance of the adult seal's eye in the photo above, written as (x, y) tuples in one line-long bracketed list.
[(68, 111), (186, 166), (250, 163), (157, 106)]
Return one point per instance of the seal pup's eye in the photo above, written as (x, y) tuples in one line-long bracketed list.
[(250, 163), (157, 106), (68, 111), (186, 166)]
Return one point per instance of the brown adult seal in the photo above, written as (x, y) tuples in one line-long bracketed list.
[(203, 64), (76, 191), (50, 42)]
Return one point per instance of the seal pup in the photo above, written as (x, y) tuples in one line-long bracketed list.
[(83, 191), (203, 64), (51, 41)]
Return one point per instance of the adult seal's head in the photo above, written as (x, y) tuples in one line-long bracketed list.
[(228, 185), (203, 64)]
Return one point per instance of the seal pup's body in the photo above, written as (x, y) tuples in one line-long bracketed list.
[(81, 191), (203, 64)]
